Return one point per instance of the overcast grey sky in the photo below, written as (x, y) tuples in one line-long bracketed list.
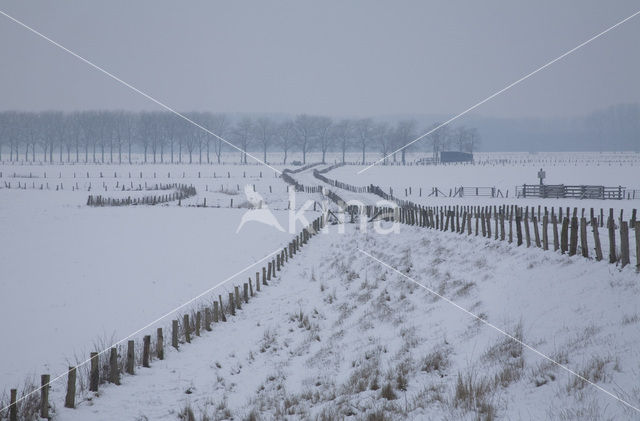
[(338, 58)]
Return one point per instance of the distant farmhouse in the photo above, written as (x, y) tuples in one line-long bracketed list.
[(455, 156)]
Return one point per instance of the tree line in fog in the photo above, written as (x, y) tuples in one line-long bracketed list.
[(163, 137)]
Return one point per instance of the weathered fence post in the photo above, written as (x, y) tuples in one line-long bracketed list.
[(612, 237), (545, 232), (246, 292), (232, 308), (583, 237), (596, 239), (160, 344), (146, 348), (174, 334), (624, 243), (198, 321), (519, 226), (114, 372), (236, 289), (564, 235), (526, 228), (215, 312), (554, 221), (70, 398), (44, 396), (573, 247), (222, 316), (637, 246), (187, 328), (257, 281), (207, 319), (131, 353), (13, 406), (94, 374)]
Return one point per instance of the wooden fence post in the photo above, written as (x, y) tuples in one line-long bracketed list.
[(564, 235), (70, 398), (250, 287), (236, 289), (174, 334), (596, 239), (198, 321), (13, 406), (556, 242), (146, 349), (187, 328), (215, 312), (207, 319), (545, 232), (573, 244), (583, 237), (519, 226), (44, 396), (258, 281), (131, 353), (114, 372), (637, 246), (160, 344), (94, 373), (624, 243), (612, 238), (222, 315), (232, 308), (246, 292), (526, 228)]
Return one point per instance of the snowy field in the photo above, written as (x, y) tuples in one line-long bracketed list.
[(338, 335), (97, 274)]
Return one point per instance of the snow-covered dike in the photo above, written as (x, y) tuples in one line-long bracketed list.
[(340, 335)]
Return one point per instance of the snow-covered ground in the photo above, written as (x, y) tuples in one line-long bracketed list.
[(74, 275), (338, 333)]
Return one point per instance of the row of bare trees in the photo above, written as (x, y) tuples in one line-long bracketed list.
[(162, 137)]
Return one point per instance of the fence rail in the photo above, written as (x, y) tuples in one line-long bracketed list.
[(573, 192)]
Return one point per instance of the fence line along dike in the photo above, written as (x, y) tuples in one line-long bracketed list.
[(109, 365), (532, 224)]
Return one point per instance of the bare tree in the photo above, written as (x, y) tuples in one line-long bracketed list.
[(473, 139), (264, 133), (325, 135), (221, 124), (343, 134), (305, 126), (242, 132), (286, 136), (383, 137), (364, 129), (439, 139), (405, 134)]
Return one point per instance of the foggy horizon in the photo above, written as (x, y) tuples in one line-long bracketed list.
[(409, 59)]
